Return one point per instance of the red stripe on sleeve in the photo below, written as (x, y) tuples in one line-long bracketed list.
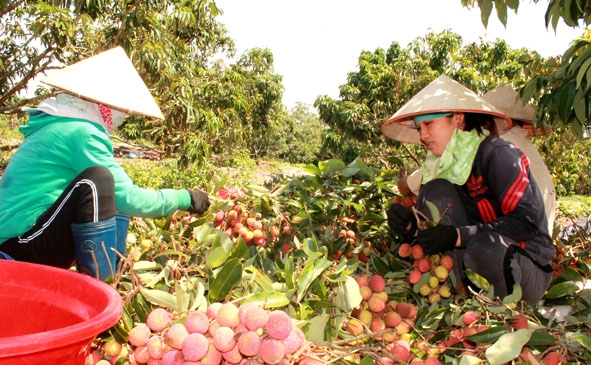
[(486, 211), (517, 189)]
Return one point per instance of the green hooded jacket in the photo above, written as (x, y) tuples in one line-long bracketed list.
[(56, 150)]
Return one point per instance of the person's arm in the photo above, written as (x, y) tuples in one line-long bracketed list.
[(506, 170), (96, 150)]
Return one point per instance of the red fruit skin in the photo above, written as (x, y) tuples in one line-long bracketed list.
[(552, 358), (470, 317), (377, 283), (519, 321)]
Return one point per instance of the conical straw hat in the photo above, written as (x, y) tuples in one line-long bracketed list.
[(441, 95), (108, 78), (507, 100)]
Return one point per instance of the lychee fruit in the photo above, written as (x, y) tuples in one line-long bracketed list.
[(362, 280), (175, 335), (141, 354), (552, 358), (414, 277), (227, 315), (223, 339), (294, 341), (365, 292), (195, 347), (470, 317), (271, 351), (354, 327), (112, 348), (417, 252), (212, 357), (156, 347), (158, 319), (256, 317), (249, 343), (279, 325), (377, 283), (441, 273), (405, 250), (424, 264), (139, 335), (447, 262), (376, 304), (519, 321), (392, 319), (233, 356), (212, 310), (401, 351), (173, 357), (197, 322)]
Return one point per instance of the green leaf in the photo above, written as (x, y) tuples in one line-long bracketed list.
[(488, 336), (226, 280), (478, 280), (485, 11), (217, 257), (470, 360), (508, 346), (501, 8), (561, 290), (367, 360), (583, 341), (435, 214), (330, 166), (582, 73), (542, 339), (515, 296), (347, 295), (317, 327), (269, 299), (161, 298), (312, 271), (580, 105)]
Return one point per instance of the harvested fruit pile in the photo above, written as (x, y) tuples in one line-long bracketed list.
[(318, 249)]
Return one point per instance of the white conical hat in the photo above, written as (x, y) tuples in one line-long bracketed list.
[(507, 100), (109, 78), (441, 95)]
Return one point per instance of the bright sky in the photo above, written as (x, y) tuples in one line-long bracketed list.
[(317, 42)]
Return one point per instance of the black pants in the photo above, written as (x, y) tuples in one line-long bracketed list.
[(90, 197)]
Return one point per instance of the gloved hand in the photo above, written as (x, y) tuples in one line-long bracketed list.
[(438, 239), (199, 202), (402, 221)]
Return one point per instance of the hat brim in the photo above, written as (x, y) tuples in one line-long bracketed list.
[(507, 100), (441, 95), (109, 78)]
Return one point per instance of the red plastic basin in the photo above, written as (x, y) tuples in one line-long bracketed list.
[(50, 315)]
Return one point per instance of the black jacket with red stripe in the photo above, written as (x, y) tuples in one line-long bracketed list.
[(501, 196)]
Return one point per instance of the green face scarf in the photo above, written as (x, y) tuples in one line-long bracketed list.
[(455, 163)]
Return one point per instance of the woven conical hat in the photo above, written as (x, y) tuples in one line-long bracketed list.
[(108, 78), (507, 100), (441, 95)]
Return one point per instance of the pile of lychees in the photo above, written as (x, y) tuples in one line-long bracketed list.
[(430, 273), (383, 319), (225, 333)]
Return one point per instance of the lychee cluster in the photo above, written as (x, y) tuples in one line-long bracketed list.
[(225, 333), (386, 320), (241, 222), (430, 274), (376, 313)]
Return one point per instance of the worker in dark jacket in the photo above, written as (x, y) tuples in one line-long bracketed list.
[(493, 220)]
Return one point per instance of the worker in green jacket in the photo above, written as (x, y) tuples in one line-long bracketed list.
[(64, 199)]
